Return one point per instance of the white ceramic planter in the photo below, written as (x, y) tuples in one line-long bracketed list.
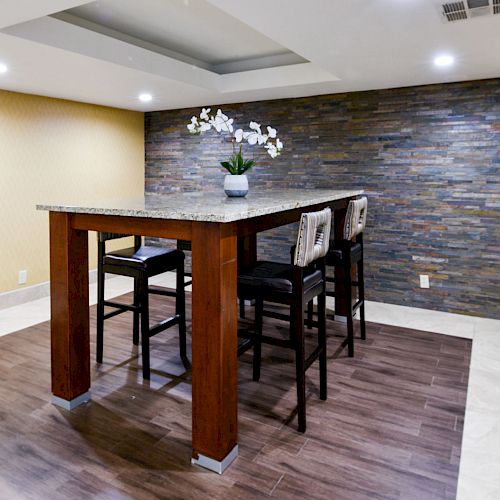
[(236, 185)]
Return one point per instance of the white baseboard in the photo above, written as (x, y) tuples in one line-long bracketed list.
[(33, 292), (377, 312)]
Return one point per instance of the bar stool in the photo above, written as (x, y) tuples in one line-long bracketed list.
[(344, 254), (294, 285), (140, 263)]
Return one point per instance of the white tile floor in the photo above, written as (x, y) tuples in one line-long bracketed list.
[(479, 476), (37, 311)]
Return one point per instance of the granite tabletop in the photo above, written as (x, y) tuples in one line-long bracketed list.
[(206, 206)]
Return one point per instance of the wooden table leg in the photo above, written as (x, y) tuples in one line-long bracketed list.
[(214, 340), (247, 250), (69, 294)]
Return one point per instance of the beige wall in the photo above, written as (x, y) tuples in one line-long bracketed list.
[(53, 150)]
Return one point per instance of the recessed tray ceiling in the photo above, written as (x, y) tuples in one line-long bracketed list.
[(192, 31)]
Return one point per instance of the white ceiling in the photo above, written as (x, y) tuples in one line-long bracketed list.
[(197, 52), (210, 36)]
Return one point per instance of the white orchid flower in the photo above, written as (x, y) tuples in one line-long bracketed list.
[(227, 125), (204, 113), (238, 135), (246, 135), (262, 139), (222, 123), (271, 150), (221, 115), (255, 126), (193, 126), (216, 122), (272, 132), (252, 138)]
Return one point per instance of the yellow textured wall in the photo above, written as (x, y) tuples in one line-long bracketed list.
[(53, 150)]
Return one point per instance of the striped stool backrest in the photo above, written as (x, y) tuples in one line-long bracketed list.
[(314, 237), (355, 220)]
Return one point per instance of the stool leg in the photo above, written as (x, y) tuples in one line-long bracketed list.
[(257, 340), (348, 299), (361, 289), (310, 312), (322, 345), (330, 293), (180, 311), (298, 329), (144, 298), (135, 335), (100, 316)]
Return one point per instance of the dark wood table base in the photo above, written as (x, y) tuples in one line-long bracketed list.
[(214, 320)]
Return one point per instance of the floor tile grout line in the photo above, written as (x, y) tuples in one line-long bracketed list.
[(276, 485)]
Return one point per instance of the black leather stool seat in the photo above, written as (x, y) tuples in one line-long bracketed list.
[(335, 255), (152, 260), (274, 276)]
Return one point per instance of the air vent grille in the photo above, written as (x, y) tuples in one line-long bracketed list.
[(469, 9), (455, 11), (477, 4)]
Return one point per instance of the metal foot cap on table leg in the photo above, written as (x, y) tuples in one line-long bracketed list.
[(215, 465), (72, 404)]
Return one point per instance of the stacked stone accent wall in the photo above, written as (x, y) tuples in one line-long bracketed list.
[(427, 157)]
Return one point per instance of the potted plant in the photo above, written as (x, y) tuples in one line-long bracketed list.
[(236, 182)]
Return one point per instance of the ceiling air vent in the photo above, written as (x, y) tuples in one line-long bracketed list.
[(459, 11), (454, 11)]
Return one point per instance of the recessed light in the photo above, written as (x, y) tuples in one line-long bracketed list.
[(3, 68), (444, 60), (145, 97)]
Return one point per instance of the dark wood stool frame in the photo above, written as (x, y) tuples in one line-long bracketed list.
[(297, 298), (343, 255), (297, 302), (185, 245), (346, 261), (140, 306)]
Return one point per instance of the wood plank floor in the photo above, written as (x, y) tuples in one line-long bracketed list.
[(391, 428)]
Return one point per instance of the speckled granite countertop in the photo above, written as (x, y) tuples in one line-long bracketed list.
[(207, 206)]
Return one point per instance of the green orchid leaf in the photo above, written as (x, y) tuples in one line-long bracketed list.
[(249, 164), (227, 166)]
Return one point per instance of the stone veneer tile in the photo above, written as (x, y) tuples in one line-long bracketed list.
[(427, 157)]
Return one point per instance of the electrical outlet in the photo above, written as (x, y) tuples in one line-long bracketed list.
[(424, 281), (23, 277)]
